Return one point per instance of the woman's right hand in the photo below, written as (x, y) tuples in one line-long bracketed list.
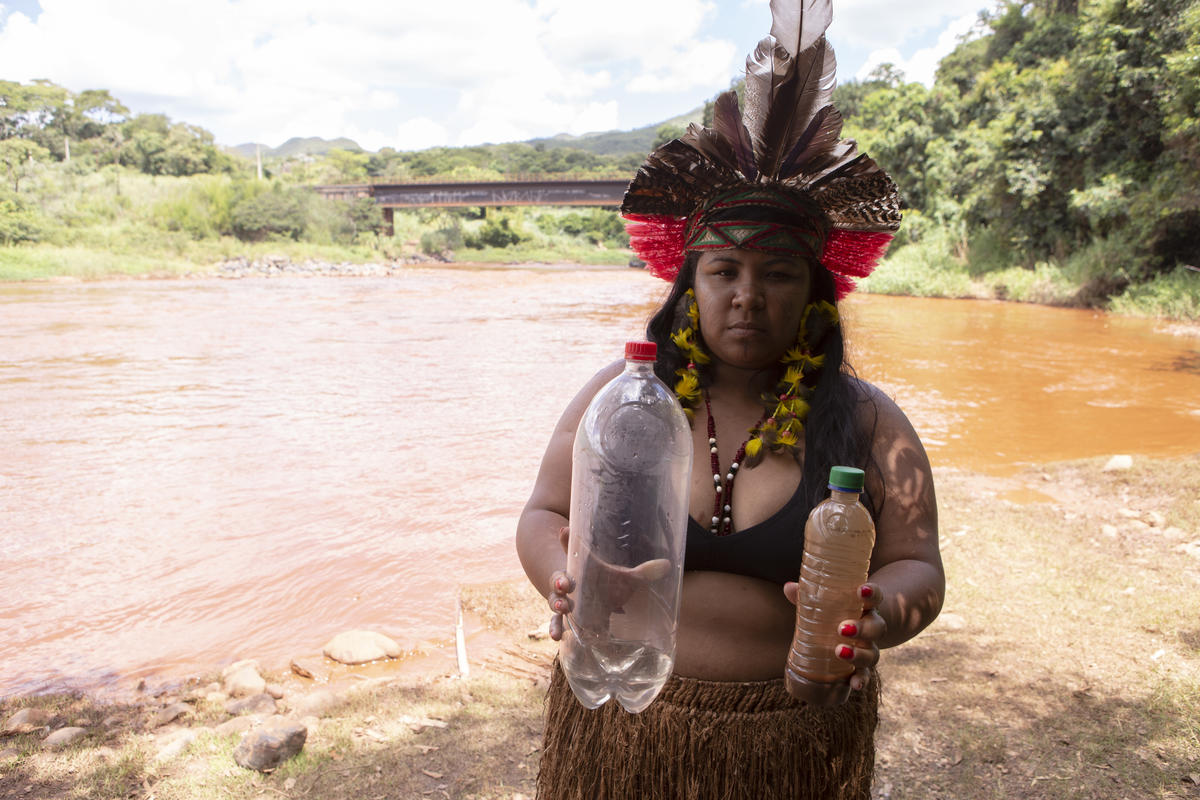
[(612, 585), (561, 584), (560, 604)]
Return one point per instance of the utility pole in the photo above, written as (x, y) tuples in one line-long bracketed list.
[(258, 157)]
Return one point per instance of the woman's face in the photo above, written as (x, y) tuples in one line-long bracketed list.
[(750, 304)]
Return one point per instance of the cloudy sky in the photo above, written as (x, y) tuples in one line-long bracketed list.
[(411, 74)]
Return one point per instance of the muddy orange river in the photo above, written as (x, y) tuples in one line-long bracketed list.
[(195, 471)]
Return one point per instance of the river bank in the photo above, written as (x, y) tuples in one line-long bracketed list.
[(1061, 667), (919, 270)]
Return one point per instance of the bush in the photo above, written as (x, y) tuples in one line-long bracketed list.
[(17, 223), (497, 231), (279, 212), (444, 240), (184, 214), (1174, 295), (924, 269), (1045, 284), (597, 225)]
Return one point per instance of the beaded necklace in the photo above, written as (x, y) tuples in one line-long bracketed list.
[(722, 516)]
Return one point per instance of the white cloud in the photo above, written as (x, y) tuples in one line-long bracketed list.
[(921, 66), (418, 133), (414, 73), (704, 64), (876, 24)]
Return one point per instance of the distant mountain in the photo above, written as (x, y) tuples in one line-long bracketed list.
[(297, 146), (638, 140)]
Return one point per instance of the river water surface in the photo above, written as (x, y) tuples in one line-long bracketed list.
[(197, 471)]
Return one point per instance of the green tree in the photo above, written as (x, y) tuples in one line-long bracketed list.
[(18, 156), (665, 133), (348, 166), (152, 144)]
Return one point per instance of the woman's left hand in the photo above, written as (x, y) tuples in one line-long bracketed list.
[(860, 636)]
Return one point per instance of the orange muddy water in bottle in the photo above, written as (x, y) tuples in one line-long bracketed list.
[(838, 539)]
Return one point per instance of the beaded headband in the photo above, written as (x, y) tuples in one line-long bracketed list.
[(785, 144), (717, 226)]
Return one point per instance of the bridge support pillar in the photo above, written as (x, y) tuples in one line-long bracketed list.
[(389, 221)]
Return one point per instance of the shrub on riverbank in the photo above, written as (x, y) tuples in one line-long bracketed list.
[(1175, 295)]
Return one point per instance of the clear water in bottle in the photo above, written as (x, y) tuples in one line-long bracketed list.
[(838, 539), (630, 470)]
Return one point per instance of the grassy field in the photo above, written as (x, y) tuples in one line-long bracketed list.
[(1066, 664)]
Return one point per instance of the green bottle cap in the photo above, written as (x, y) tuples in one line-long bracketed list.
[(846, 479)]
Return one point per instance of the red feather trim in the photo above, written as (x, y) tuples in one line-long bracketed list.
[(853, 254), (657, 239)]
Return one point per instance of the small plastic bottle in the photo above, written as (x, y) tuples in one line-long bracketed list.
[(631, 466), (838, 539)]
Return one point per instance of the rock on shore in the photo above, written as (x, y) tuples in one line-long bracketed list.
[(267, 747), (278, 266), (359, 647)]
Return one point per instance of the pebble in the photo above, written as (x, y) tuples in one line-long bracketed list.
[(265, 748), (242, 678), (237, 725), (1119, 463), (169, 714), (176, 744), (312, 668), (951, 622), (64, 736), (26, 720), (360, 647), (262, 703)]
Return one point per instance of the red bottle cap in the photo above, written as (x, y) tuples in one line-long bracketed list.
[(641, 351)]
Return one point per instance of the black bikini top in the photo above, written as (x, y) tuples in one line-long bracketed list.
[(771, 550)]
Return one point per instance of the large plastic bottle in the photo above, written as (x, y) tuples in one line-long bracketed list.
[(838, 539), (631, 467)]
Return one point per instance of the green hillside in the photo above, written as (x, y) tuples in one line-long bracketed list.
[(296, 146), (638, 140)]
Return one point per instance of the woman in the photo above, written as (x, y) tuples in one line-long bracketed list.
[(760, 229)]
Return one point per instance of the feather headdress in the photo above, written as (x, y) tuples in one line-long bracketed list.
[(785, 142)]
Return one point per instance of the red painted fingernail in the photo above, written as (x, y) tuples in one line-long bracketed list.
[(845, 652), (560, 584), (849, 629), (866, 592), (558, 605)]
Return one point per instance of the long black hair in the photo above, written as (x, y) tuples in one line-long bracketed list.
[(837, 432)]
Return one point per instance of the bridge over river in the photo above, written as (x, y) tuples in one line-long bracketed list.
[(534, 192)]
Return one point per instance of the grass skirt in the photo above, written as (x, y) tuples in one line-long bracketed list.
[(708, 740)]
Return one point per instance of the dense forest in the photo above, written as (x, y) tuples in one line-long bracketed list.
[(1056, 158)]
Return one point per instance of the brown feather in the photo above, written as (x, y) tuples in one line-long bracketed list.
[(798, 24), (821, 135), (727, 123), (766, 68), (712, 146), (674, 180), (806, 90)]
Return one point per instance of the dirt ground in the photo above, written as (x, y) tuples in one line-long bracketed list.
[(1065, 664)]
